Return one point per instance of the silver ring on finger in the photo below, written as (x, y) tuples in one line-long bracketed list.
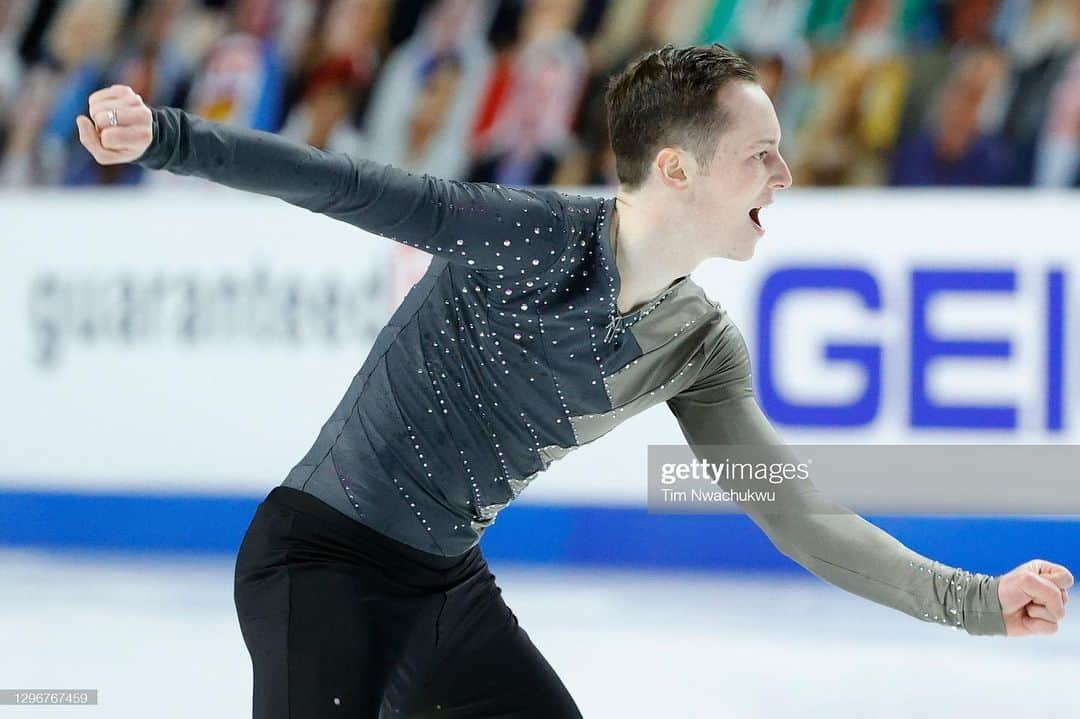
[(113, 122)]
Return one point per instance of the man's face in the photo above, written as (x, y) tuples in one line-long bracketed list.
[(745, 170)]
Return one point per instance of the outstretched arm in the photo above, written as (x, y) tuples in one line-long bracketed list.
[(512, 232), (719, 410)]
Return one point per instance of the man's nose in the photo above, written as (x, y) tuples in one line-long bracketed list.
[(782, 178)]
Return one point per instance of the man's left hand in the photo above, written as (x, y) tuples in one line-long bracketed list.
[(1033, 597)]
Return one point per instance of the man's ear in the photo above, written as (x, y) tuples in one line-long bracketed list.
[(674, 167)]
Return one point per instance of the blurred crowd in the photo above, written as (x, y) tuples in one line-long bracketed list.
[(869, 92)]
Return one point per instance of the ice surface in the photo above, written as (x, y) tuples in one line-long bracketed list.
[(157, 637)]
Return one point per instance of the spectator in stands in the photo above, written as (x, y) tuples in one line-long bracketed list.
[(592, 161), (425, 102), (940, 33), (547, 69), (956, 149), (856, 91), (1058, 157), (13, 16), (242, 80), (1044, 41), (139, 65), (21, 162), (336, 89), (78, 47)]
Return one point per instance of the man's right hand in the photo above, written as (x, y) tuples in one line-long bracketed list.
[(129, 138)]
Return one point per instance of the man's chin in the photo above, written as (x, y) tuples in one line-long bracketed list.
[(740, 252)]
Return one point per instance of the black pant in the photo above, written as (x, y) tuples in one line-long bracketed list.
[(341, 621)]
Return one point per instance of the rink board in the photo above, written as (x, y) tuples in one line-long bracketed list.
[(168, 357), (543, 534)]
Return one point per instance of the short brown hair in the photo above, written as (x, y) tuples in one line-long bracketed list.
[(668, 97)]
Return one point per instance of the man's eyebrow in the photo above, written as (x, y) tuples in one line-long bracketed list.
[(767, 141)]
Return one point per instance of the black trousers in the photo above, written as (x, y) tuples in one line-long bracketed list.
[(341, 621)]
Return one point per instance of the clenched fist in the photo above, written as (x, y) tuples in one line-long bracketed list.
[(1033, 597), (120, 126)]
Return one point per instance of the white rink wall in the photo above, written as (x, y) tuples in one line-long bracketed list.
[(183, 342), (169, 355)]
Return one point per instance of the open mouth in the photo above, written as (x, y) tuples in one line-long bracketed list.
[(755, 217)]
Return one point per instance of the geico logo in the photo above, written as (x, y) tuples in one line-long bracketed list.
[(923, 347)]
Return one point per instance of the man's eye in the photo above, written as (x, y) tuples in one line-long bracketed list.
[(761, 155)]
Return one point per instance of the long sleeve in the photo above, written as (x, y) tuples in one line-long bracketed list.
[(829, 540), (482, 226)]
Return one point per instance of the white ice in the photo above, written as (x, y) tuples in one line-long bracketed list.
[(158, 638)]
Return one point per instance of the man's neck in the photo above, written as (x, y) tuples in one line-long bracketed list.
[(642, 240)]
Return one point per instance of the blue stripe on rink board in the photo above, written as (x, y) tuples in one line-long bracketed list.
[(579, 535)]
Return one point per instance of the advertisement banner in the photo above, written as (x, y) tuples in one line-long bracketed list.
[(170, 342)]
